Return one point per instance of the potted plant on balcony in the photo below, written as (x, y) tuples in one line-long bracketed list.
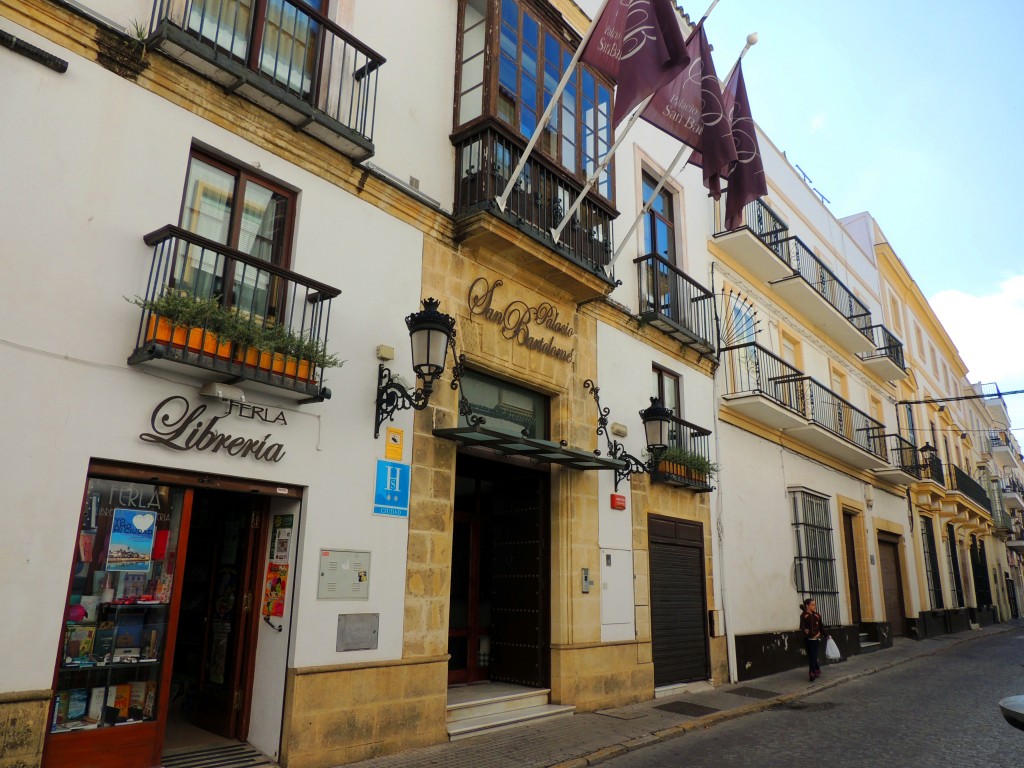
[(686, 467), (311, 354), (170, 315)]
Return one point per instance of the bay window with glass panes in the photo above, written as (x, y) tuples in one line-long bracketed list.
[(515, 86)]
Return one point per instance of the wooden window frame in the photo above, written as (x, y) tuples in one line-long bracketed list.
[(550, 23), (662, 375)]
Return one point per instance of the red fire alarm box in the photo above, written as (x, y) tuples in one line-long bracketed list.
[(618, 501)]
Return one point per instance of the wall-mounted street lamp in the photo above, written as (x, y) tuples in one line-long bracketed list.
[(657, 421), (431, 333)]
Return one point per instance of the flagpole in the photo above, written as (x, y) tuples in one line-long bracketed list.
[(557, 231), (682, 156), (502, 199)]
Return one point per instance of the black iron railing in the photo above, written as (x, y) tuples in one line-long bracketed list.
[(764, 223), (687, 460), (969, 487), (484, 160), (1000, 440), (669, 293), (214, 307), (1013, 485), (886, 345), (752, 369), (931, 468), (830, 411), (826, 284), (288, 45), (903, 454)]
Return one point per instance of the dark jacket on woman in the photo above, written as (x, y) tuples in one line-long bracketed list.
[(811, 625)]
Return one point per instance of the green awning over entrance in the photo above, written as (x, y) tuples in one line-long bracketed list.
[(512, 444)]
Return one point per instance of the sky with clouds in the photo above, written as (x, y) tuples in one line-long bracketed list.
[(909, 110)]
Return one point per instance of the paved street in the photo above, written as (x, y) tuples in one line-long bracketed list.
[(936, 710)]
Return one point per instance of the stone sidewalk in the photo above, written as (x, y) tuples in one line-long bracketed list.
[(589, 738)]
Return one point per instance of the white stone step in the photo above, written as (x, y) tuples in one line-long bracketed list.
[(498, 721), (498, 704)]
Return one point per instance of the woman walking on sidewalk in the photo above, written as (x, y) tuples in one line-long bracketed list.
[(814, 632)]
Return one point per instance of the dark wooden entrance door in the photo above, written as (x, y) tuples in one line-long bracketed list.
[(892, 589), (678, 603), (851, 568), (498, 625), (216, 633)]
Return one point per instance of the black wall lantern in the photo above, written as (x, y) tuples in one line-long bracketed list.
[(431, 333), (657, 420)]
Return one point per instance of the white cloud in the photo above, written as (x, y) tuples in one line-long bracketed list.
[(986, 331)]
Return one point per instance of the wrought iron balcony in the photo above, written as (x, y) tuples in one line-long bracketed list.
[(827, 302), (887, 359), (932, 469), (283, 56), (969, 487), (675, 303), (758, 244), (904, 461), (1001, 442), (233, 316), (484, 158), (1013, 492), (686, 463), (765, 387), (769, 390), (830, 411)]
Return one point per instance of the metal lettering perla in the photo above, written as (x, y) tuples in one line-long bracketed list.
[(179, 426), (520, 322)]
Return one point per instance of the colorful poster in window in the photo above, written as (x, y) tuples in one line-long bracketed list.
[(273, 595), (131, 541)]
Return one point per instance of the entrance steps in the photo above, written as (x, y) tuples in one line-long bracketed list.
[(868, 646), (490, 707)]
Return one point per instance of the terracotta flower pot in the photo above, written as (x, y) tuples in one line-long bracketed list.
[(265, 360), (304, 370), (291, 367), (277, 363), (200, 339)]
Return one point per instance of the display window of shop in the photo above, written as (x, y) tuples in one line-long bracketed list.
[(112, 661), (160, 627)]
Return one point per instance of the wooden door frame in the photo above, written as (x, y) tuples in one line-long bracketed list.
[(884, 537)]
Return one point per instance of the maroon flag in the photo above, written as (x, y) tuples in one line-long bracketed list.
[(690, 109), (639, 45), (746, 181)]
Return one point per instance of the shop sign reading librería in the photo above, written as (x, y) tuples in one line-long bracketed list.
[(522, 323), (177, 425)]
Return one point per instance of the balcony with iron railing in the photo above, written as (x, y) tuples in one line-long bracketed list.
[(842, 430), (1013, 492), (887, 358), (756, 244), (675, 303), (904, 461), (232, 317), (686, 463), (282, 56), (824, 299), (485, 156), (932, 468), (960, 481), (768, 390), (1002, 444)]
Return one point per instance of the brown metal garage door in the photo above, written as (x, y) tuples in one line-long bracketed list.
[(678, 607)]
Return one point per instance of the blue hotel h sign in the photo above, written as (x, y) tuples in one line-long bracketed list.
[(391, 490)]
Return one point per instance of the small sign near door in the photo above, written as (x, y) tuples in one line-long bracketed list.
[(391, 491)]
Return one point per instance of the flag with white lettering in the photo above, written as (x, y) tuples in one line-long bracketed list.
[(690, 109), (638, 44), (747, 180)]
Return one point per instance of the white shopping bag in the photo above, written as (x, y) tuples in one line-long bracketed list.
[(832, 650)]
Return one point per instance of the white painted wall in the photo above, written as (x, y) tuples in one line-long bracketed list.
[(100, 163)]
